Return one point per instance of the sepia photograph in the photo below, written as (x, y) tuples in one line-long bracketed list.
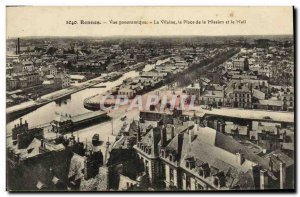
[(150, 99)]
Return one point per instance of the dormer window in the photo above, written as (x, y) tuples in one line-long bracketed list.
[(219, 179), (149, 150), (204, 170), (163, 153), (216, 182), (201, 172), (190, 163), (172, 157)]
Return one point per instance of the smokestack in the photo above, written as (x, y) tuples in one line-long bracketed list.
[(18, 45), (20, 121), (16, 49)]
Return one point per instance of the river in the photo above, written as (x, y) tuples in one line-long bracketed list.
[(74, 104)]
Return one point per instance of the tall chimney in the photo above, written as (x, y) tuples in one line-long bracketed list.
[(282, 176), (18, 45), (240, 158), (263, 179), (20, 121), (163, 137), (196, 127), (16, 49), (172, 131), (191, 135), (138, 133)]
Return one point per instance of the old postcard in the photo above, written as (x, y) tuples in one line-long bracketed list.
[(150, 99)]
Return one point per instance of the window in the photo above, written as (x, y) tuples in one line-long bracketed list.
[(162, 153), (200, 187), (188, 183), (187, 164), (171, 175), (147, 167), (201, 173), (216, 182)]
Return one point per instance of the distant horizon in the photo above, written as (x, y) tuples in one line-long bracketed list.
[(154, 36)]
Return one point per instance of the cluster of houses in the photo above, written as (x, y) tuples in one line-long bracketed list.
[(160, 151), (36, 67), (149, 80), (195, 153), (26, 81), (245, 86), (62, 164)]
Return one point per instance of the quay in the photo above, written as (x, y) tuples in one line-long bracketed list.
[(64, 123), (15, 112)]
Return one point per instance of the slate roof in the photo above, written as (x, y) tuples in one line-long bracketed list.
[(219, 151)]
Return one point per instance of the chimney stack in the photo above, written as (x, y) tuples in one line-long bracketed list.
[(196, 127), (172, 131), (191, 135), (240, 158), (263, 179), (139, 133), (20, 121), (282, 171), (163, 137)]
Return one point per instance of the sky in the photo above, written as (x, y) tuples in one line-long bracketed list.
[(52, 21)]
